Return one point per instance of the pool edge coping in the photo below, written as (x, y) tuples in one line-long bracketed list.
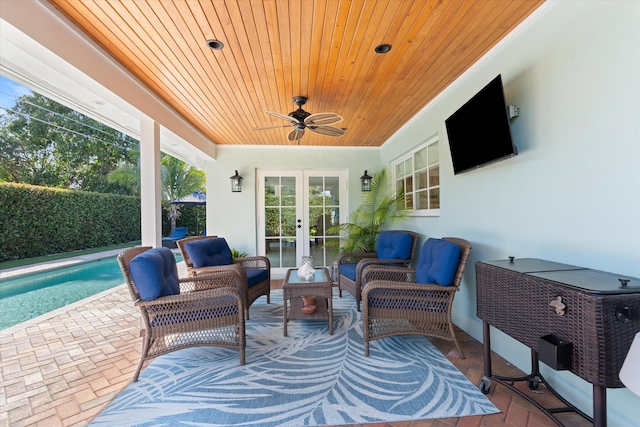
[(15, 272), (33, 322), (46, 316)]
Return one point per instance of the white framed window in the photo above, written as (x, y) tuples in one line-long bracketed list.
[(418, 174)]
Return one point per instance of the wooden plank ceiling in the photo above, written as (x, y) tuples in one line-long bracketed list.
[(277, 49)]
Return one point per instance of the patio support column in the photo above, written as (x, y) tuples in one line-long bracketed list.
[(150, 187)]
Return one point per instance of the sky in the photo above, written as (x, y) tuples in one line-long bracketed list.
[(9, 91)]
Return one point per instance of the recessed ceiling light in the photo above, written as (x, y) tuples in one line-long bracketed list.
[(215, 44), (383, 48)]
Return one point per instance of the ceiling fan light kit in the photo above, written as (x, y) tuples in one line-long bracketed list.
[(302, 120)]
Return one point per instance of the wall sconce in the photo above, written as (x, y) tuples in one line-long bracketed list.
[(366, 181), (236, 183)]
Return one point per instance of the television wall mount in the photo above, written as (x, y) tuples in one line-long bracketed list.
[(513, 111)]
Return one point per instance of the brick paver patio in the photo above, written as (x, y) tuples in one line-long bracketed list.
[(63, 368)]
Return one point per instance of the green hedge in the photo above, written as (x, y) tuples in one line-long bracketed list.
[(188, 218), (37, 221)]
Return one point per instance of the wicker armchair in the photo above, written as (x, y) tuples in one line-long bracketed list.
[(208, 311), (248, 268), (351, 281), (395, 304)]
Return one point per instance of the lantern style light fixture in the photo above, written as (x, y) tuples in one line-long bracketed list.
[(236, 183), (366, 181)]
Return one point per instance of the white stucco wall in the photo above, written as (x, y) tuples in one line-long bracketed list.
[(572, 195), (233, 215)]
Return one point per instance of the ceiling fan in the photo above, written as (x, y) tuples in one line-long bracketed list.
[(301, 120)]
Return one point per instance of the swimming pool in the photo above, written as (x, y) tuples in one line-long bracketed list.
[(26, 297)]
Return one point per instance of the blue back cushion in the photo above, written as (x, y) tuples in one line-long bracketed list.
[(155, 273), (209, 252), (438, 262), (394, 245), (179, 232)]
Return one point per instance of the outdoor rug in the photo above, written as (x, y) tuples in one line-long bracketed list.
[(309, 378)]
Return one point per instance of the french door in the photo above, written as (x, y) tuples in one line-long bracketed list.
[(296, 208)]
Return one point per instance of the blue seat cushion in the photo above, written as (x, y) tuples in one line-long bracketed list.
[(394, 245), (256, 275), (348, 270), (155, 273), (438, 262), (209, 252)]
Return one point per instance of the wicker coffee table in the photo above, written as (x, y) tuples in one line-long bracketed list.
[(319, 286)]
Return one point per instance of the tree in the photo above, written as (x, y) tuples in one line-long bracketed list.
[(45, 143), (177, 180), (379, 209)]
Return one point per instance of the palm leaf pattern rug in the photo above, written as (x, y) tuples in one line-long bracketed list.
[(309, 378)]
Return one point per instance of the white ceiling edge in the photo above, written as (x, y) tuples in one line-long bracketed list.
[(26, 60)]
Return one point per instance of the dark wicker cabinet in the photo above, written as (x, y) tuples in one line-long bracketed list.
[(591, 316)]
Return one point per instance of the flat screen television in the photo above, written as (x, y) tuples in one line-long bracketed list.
[(479, 132)]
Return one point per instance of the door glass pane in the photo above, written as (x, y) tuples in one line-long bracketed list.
[(272, 191), (334, 217), (324, 200), (288, 185), (272, 223), (280, 221), (288, 222), (332, 189), (289, 252), (315, 187), (331, 254)]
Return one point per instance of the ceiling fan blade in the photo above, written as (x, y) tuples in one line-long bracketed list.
[(282, 116), (272, 127), (295, 134), (327, 130), (320, 119)]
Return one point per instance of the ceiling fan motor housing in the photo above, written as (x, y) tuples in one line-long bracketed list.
[(299, 115)]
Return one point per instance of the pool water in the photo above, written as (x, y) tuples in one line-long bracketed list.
[(26, 297)]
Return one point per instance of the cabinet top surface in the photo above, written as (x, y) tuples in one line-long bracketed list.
[(531, 265), (583, 279)]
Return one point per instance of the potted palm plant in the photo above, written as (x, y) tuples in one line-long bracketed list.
[(380, 208)]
